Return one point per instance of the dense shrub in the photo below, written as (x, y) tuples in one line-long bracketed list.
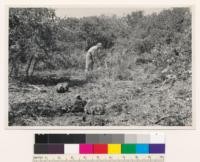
[(38, 40)]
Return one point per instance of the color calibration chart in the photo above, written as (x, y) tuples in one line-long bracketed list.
[(99, 147)]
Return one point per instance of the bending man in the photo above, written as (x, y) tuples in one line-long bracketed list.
[(90, 56)]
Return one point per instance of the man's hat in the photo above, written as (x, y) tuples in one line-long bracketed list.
[(99, 44)]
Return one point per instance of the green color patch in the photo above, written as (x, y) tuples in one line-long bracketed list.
[(128, 148)]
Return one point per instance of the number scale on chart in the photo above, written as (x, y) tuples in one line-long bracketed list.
[(98, 158)]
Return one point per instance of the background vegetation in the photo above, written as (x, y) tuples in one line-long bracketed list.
[(142, 76)]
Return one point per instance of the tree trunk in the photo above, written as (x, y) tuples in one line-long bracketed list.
[(33, 65), (29, 65), (13, 72)]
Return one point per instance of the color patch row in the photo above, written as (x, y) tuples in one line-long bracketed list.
[(99, 138), (99, 148)]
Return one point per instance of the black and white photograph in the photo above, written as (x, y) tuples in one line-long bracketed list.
[(100, 66)]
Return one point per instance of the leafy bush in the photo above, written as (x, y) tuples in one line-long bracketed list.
[(38, 40)]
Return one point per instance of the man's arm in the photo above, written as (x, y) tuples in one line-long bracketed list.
[(98, 60)]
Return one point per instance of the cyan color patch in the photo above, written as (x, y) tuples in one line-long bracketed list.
[(142, 149)]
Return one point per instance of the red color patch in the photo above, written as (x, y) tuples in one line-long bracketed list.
[(100, 148)]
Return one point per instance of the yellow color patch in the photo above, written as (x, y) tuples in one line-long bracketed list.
[(114, 148)]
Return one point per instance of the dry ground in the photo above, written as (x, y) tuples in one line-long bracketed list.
[(143, 100)]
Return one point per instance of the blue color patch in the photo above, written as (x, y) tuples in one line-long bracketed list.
[(142, 149)]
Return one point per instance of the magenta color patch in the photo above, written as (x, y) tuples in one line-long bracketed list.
[(85, 148)]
